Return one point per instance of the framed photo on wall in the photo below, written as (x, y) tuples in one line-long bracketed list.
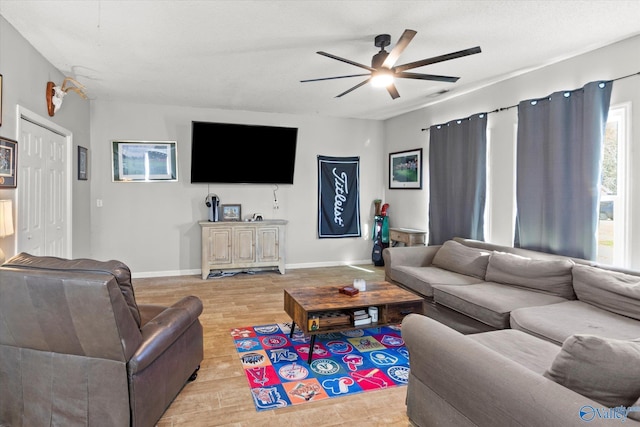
[(231, 213), (405, 169), (83, 165), (0, 99), (8, 162), (144, 161)]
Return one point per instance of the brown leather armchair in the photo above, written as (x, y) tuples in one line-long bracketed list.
[(76, 349)]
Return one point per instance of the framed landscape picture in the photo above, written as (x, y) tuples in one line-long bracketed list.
[(405, 169), (144, 161)]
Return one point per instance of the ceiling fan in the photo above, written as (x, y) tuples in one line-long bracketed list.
[(383, 70)]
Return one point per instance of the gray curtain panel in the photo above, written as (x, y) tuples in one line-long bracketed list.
[(559, 159), (457, 179)]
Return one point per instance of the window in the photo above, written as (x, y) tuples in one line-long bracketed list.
[(612, 244)]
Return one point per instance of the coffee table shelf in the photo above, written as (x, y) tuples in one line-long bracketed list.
[(302, 303)]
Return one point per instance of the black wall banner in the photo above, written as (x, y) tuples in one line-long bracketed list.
[(338, 197)]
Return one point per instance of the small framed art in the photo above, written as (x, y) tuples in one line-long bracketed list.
[(231, 212), (8, 162), (405, 169), (83, 158)]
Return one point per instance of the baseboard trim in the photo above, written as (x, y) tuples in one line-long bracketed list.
[(167, 273), (170, 273), (328, 264)]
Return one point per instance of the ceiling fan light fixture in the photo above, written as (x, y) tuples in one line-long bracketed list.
[(382, 78), (383, 70)]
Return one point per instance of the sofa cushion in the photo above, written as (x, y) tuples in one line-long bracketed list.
[(421, 279), (524, 349), (609, 290), (454, 256), (489, 302), (557, 322), (117, 269), (603, 369), (527, 253), (549, 276)]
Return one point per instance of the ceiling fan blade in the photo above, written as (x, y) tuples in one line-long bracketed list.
[(332, 78), (397, 50), (354, 88), (348, 61), (393, 91), (433, 77), (435, 59)]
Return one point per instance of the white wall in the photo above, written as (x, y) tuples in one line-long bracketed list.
[(403, 132), (153, 227), (25, 75)]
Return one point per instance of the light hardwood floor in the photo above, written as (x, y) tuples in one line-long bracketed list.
[(220, 395)]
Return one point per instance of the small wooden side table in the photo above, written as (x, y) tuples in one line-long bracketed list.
[(408, 236)]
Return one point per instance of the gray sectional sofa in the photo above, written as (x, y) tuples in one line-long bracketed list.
[(518, 337)]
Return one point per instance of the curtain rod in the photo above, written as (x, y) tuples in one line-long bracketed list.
[(498, 110)]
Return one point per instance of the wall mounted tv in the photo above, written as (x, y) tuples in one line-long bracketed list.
[(243, 154)]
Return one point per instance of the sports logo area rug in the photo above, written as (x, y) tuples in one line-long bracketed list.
[(343, 363)]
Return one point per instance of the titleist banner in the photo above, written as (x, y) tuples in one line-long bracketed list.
[(338, 197)]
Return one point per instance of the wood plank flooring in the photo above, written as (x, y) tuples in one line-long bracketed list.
[(220, 395)]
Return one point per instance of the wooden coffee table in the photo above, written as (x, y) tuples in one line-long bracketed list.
[(326, 302)]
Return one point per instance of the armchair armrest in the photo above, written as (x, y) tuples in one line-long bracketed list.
[(413, 256), (160, 332)]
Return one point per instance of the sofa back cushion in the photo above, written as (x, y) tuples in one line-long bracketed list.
[(552, 277), (527, 253), (117, 269), (609, 290), (603, 369), (456, 257)]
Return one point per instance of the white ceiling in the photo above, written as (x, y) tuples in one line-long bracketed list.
[(251, 55)]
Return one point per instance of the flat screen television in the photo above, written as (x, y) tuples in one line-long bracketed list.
[(242, 154)]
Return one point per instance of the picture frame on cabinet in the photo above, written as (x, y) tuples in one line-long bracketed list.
[(405, 169), (8, 162), (231, 212)]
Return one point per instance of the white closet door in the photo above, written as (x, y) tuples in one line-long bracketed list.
[(43, 174)]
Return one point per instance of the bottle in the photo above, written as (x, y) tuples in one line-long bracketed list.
[(373, 313), (314, 323)]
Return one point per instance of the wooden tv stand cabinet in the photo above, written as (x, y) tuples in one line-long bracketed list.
[(243, 245)]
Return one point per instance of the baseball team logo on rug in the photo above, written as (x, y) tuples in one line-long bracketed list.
[(344, 363)]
